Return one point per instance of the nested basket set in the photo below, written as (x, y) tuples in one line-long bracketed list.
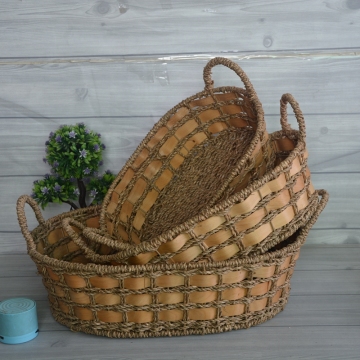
[(200, 231)]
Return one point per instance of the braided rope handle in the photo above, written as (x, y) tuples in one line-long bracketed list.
[(20, 211), (94, 236), (322, 203), (124, 250), (209, 82), (289, 99)]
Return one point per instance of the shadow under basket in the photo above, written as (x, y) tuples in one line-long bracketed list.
[(128, 301)]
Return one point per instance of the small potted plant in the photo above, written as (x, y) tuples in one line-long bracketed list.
[(75, 154)]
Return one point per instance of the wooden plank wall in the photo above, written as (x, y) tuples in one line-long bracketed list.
[(118, 66)]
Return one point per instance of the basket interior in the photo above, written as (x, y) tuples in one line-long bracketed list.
[(54, 242), (187, 162)]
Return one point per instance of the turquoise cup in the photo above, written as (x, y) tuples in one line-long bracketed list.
[(18, 321)]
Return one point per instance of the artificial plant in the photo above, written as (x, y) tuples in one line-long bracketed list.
[(75, 154)]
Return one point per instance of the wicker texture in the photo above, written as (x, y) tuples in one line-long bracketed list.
[(250, 221), (205, 148), (200, 231), (162, 299)]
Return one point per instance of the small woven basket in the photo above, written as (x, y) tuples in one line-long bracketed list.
[(248, 222), (157, 299), (204, 149)]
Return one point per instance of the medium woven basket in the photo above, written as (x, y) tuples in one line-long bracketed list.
[(250, 221), (160, 299)]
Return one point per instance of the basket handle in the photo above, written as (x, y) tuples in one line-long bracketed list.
[(122, 250), (20, 210), (322, 203), (93, 236), (324, 199), (289, 99), (209, 82)]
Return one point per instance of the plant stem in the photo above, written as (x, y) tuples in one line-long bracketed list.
[(73, 205), (82, 195)]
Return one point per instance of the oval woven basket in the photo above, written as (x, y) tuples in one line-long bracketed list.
[(250, 221), (161, 299), (207, 147)]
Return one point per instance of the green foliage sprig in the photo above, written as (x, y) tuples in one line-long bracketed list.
[(75, 155), (99, 186), (74, 151)]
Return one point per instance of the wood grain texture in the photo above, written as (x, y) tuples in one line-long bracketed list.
[(334, 236), (327, 85), (332, 141), (97, 27), (319, 342), (342, 197), (326, 282), (118, 65), (22, 141), (319, 310), (329, 257)]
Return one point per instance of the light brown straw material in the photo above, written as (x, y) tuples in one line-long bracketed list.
[(207, 147), (160, 299), (250, 221)]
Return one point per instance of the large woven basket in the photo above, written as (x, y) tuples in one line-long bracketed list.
[(160, 299), (252, 220)]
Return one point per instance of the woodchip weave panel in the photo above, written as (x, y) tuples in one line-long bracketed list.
[(161, 299), (250, 221), (204, 149)]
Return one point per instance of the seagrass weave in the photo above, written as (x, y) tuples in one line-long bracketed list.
[(250, 221), (161, 299), (207, 147)]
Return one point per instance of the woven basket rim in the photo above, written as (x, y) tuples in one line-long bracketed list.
[(137, 269)]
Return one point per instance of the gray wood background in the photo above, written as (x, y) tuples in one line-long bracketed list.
[(119, 66)]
